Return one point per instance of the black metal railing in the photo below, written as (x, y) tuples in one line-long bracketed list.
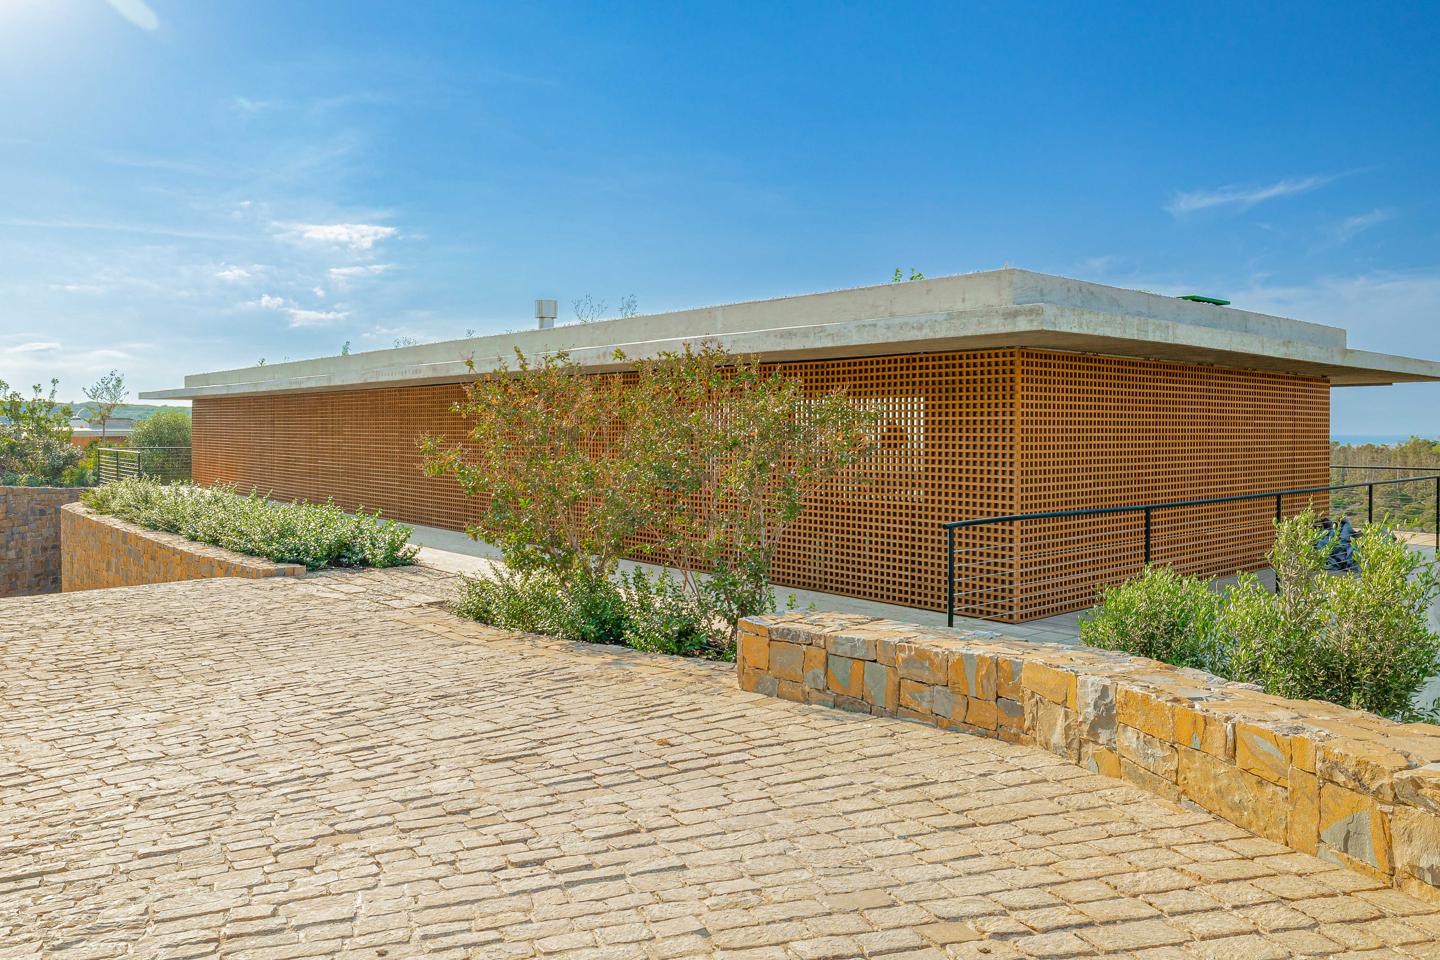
[(1070, 563), (167, 464)]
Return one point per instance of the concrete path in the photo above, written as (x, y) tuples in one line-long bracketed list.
[(336, 767)]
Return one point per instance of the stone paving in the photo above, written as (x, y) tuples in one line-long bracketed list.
[(337, 767)]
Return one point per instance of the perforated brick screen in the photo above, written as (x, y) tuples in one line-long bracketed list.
[(962, 435)]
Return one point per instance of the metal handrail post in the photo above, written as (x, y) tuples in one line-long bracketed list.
[(1147, 536), (950, 577)]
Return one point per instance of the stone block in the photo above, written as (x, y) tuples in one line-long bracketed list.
[(1095, 703), (787, 661), (1242, 798), (820, 698), (922, 663), (790, 690), (1156, 755), (1415, 840), (985, 714), (756, 626), (1057, 686), (881, 686), (1354, 825), (947, 704), (917, 697), (1009, 714), (973, 674), (1262, 752), (1304, 749), (845, 677), (1361, 765), (1100, 759), (850, 645), (1204, 732), (1145, 712), (815, 658), (1007, 678), (754, 652), (1420, 787), (1302, 830), (1053, 727), (757, 681)]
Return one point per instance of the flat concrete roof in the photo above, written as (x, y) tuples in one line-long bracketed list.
[(994, 309)]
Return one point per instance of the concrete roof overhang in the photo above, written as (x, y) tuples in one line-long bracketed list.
[(996, 309)]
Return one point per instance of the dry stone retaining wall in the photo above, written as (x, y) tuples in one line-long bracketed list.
[(99, 551), (30, 538), (1348, 786)]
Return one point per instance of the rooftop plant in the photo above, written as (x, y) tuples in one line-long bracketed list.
[(316, 535)]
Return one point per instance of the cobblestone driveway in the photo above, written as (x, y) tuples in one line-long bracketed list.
[(264, 769)]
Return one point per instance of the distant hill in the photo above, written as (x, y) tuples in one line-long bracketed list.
[(126, 411)]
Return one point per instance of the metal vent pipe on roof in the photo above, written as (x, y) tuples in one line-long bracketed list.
[(545, 313)]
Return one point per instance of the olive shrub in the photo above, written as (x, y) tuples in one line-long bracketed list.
[(1361, 640)]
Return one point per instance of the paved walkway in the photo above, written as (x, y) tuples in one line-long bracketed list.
[(332, 768)]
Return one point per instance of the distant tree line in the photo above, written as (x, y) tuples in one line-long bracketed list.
[(1408, 506)]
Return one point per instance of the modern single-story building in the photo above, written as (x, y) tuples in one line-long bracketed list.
[(999, 392)]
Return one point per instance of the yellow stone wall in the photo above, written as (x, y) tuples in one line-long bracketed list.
[(98, 551), (1348, 786)]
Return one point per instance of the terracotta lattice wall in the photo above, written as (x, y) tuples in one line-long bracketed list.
[(962, 435)]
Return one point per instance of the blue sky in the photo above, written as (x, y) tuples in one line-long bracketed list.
[(191, 186)]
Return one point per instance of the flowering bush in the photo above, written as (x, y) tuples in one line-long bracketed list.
[(316, 535)]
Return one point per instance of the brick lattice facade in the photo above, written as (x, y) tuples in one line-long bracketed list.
[(962, 435), (30, 538)]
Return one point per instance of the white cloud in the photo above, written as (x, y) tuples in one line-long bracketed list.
[(1242, 198), (233, 274), (299, 316), (314, 318), (1392, 312), (1351, 226), (356, 236), (38, 346), (343, 275), (137, 12)]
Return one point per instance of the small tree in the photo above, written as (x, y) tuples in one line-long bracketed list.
[(735, 451), (105, 395), (557, 496), (35, 436), (698, 460)]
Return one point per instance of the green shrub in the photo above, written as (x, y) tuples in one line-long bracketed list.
[(514, 601), (1361, 640), (316, 535), (581, 609), (167, 428), (655, 613), (664, 617), (1162, 615)]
